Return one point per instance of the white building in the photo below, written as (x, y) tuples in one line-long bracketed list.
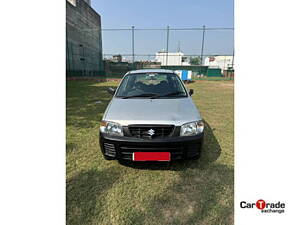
[(171, 59), (222, 62)]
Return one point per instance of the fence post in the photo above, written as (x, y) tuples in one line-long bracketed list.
[(132, 37), (232, 69), (167, 45), (203, 36)]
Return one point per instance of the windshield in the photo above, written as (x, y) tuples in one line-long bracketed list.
[(151, 85)]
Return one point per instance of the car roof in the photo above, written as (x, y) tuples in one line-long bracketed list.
[(150, 71)]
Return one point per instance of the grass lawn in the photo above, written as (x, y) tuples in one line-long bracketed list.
[(188, 192)]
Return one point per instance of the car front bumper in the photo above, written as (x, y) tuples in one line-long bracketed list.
[(120, 147)]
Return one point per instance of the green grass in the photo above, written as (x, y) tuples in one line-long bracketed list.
[(188, 192)]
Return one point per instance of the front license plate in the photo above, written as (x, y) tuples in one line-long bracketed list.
[(151, 156)]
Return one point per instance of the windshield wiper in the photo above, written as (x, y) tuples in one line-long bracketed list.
[(169, 94), (141, 95)]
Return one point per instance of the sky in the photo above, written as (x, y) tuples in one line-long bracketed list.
[(163, 13)]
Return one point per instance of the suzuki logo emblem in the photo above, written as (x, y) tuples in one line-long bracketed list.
[(151, 132)]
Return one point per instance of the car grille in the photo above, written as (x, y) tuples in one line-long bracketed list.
[(151, 131)]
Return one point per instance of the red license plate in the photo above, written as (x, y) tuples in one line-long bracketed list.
[(151, 156)]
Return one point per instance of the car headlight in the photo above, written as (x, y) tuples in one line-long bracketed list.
[(111, 128), (192, 128)]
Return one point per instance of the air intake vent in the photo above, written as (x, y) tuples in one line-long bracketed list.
[(110, 149)]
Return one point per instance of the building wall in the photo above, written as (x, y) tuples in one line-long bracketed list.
[(88, 2), (221, 62), (73, 2), (83, 42), (173, 59)]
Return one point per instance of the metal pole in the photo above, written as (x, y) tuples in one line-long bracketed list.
[(203, 36), (232, 58), (168, 28), (231, 74), (132, 35)]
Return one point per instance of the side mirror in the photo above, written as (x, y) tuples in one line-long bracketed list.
[(191, 92), (111, 91)]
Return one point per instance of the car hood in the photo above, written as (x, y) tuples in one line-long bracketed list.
[(176, 111)]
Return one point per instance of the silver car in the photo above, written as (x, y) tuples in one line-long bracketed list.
[(151, 117)]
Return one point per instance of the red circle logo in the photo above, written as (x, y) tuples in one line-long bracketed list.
[(260, 204)]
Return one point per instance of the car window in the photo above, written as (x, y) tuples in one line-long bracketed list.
[(159, 84)]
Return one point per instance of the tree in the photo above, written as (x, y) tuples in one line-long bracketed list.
[(195, 60)]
